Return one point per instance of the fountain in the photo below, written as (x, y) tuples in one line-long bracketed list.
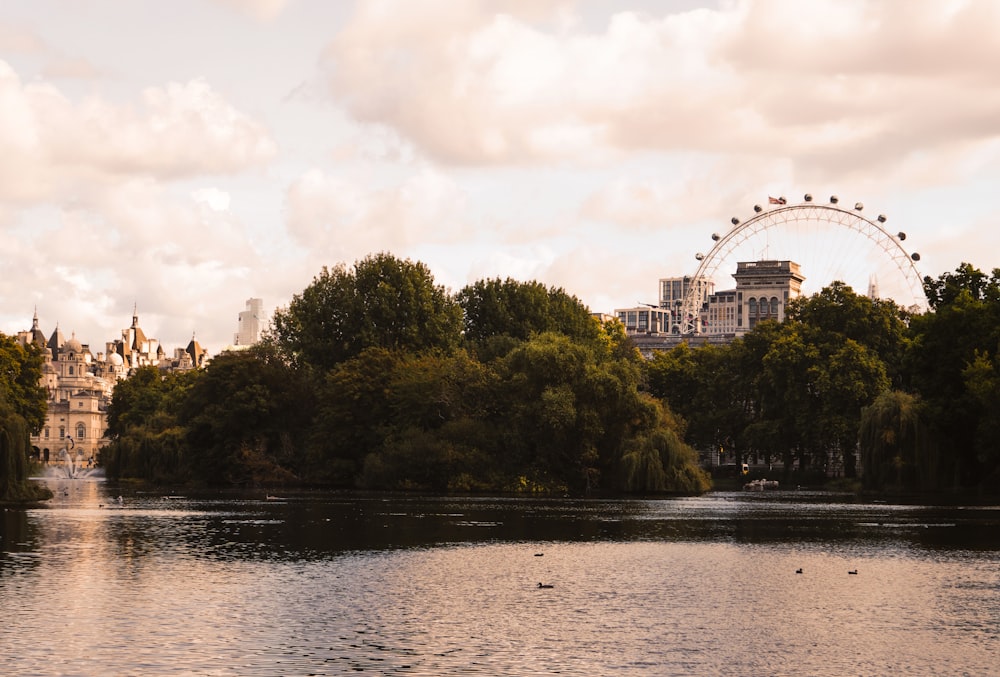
[(71, 466)]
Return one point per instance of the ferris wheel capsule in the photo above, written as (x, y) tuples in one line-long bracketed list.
[(758, 208), (859, 206), (834, 199), (901, 235), (699, 256), (716, 236), (808, 197), (881, 218), (735, 221), (915, 256)]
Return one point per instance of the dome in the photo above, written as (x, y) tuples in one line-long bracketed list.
[(115, 360), (72, 346)]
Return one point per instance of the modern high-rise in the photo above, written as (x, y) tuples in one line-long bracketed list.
[(248, 332)]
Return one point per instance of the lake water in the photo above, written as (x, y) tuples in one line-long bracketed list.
[(339, 584)]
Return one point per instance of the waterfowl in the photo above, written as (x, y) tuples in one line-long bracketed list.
[(545, 585), (853, 573), (798, 571)]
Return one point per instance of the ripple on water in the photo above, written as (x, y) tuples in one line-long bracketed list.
[(697, 586)]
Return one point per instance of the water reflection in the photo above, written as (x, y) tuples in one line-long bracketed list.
[(328, 584)]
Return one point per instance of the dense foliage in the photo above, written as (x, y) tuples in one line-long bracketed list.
[(375, 377), (854, 386), (22, 412)]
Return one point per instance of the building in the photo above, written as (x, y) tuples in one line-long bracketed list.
[(249, 323), (79, 385), (763, 291)]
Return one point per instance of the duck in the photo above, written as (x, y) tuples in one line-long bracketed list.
[(545, 585), (853, 573), (798, 571)]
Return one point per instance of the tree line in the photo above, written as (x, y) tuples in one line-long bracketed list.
[(901, 401), (376, 377)]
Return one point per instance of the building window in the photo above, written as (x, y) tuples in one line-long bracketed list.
[(71, 371), (774, 306), (753, 307), (46, 433), (62, 433), (643, 321), (81, 431)]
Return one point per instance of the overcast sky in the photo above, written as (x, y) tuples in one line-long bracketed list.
[(181, 157)]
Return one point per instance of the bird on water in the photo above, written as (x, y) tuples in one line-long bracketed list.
[(545, 585)]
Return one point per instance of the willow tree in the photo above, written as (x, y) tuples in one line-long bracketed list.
[(896, 448)]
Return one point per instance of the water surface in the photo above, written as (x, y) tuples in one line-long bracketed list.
[(336, 584)]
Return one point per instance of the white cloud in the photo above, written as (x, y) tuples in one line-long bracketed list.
[(260, 10), (53, 145), (826, 81), (213, 198), (350, 219)]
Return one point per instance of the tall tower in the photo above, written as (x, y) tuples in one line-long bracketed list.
[(872, 287), (248, 331)]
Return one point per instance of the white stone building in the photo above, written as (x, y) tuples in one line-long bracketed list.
[(79, 385)]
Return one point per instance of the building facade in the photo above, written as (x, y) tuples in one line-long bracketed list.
[(249, 323), (79, 385), (763, 291)]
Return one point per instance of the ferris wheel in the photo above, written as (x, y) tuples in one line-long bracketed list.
[(829, 242)]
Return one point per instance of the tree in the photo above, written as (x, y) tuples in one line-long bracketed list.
[(22, 411), (495, 310), (20, 378), (247, 415), (147, 440), (382, 302), (877, 324), (896, 447), (947, 362), (966, 279)]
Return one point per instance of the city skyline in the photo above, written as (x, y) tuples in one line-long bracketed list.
[(184, 160)]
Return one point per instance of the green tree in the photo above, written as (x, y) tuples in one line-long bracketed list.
[(896, 447), (704, 386), (967, 279), (947, 362), (146, 438), (247, 416), (22, 412), (20, 378), (382, 302), (500, 313), (877, 324)]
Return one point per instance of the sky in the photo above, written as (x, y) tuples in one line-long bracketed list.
[(178, 158)]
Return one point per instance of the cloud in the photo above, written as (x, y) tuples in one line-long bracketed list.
[(54, 146), (352, 219), (213, 198), (826, 83), (19, 40), (71, 69), (259, 10)]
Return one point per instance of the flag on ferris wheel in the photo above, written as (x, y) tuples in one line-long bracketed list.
[(776, 200)]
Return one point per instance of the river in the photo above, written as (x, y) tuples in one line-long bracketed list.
[(330, 584)]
